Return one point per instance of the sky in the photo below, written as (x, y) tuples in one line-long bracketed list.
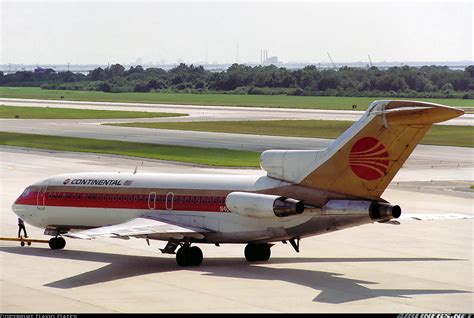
[(101, 32)]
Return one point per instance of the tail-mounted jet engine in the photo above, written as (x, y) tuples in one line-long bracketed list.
[(377, 211), (262, 205)]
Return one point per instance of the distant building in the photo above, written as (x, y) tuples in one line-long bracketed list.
[(40, 70), (272, 60)]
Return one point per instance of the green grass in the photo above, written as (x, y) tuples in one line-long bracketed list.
[(205, 156), (70, 113), (279, 101), (462, 136)]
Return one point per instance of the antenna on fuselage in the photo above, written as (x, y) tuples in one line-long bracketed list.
[(135, 171)]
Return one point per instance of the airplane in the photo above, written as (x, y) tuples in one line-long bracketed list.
[(304, 193)]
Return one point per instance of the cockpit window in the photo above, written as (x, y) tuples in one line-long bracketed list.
[(26, 192)]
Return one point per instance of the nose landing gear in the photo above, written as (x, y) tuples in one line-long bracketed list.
[(57, 243)]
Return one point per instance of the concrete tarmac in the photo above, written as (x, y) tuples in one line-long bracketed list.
[(417, 266)]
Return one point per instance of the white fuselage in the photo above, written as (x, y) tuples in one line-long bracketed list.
[(72, 202)]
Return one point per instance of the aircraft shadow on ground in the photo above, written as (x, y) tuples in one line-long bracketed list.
[(335, 288)]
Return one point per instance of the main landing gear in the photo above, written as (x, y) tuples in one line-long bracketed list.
[(57, 243), (257, 252), (189, 256)]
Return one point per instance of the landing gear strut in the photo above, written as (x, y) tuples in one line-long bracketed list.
[(57, 243), (257, 252), (189, 256)]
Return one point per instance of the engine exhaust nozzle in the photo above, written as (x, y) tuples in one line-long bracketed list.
[(383, 211)]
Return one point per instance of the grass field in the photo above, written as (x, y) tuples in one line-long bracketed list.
[(205, 156), (462, 136), (279, 101), (70, 113)]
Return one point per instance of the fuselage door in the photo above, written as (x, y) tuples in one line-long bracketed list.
[(41, 197), (169, 200), (152, 200)]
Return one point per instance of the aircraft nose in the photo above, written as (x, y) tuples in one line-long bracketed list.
[(26, 198)]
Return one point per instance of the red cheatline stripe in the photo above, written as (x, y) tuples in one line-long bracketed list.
[(84, 202)]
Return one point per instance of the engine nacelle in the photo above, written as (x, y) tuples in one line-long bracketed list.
[(377, 211), (262, 205)]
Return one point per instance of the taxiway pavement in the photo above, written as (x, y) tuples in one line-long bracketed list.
[(213, 113)]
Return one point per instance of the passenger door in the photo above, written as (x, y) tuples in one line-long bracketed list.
[(169, 201), (41, 197), (152, 200)]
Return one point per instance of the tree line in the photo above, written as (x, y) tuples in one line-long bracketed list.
[(403, 81)]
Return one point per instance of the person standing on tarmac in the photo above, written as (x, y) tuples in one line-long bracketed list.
[(21, 226)]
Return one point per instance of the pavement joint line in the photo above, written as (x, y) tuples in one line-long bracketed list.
[(46, 290), (217, 295)]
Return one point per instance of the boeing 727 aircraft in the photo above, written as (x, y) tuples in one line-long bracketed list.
[(304, 193)]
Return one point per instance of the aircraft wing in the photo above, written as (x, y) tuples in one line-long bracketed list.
[(143, 227)]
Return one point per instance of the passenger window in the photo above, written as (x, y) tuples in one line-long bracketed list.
[(198, 200), (93, 197), (115, 197), (78, 196), (186, 199), (54, 195), (109, 197), (192, 200), (120, 198), (50, 195), (74, 196), (208, 200), (135, 198), (64, 195), (141, 198), (221, 201), (180, 199), (214, 200)]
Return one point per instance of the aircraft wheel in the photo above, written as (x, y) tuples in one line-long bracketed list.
[(29, 243), (251, 252), (57, 243), (22, 243), (195, 256), (62, 243), (182, 256), (257, 252), (189, 256), (264, 252)]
